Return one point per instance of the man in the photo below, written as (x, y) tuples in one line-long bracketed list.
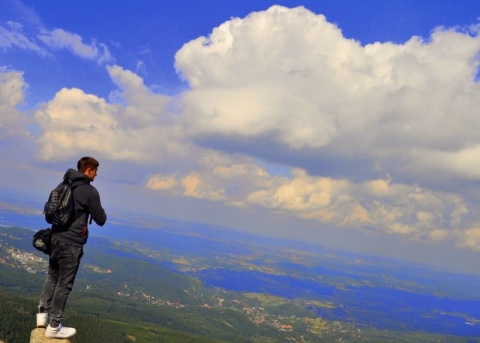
[(67, 249)]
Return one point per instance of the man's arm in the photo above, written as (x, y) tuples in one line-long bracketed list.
[(96, 210)]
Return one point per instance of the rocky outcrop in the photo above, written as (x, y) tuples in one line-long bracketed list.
[(38, 336)]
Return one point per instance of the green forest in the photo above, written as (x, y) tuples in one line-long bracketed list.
[(142, 302), (17, 317), (94, 306)]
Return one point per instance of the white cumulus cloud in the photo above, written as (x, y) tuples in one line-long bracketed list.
[(12, 120), (129, 128), (289, 79)]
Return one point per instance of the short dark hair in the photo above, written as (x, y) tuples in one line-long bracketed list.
[(87, 162)]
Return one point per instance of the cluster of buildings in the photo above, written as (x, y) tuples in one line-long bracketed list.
[(98, 269), (127, 292), (32, 263), (21, 259)]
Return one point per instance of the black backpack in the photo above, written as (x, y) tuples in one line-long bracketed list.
[(59, 210)]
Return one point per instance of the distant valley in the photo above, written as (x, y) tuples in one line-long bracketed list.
[(227, 286)]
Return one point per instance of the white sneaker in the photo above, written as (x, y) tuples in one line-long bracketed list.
[(59, 332), (42, 319)]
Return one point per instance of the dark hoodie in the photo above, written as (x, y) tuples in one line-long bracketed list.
[(87, 202)]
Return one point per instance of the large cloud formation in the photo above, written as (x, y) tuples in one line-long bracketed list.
[(284, 84), (283, 88), (289, 79)]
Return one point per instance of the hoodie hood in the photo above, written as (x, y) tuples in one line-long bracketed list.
[(75, 177)]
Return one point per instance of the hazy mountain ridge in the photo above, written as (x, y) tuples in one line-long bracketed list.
[(173, 243)]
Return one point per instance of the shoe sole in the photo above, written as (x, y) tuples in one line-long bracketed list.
[(53, 335), (60, 337)]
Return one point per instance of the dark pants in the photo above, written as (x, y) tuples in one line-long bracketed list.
[(62, 269)]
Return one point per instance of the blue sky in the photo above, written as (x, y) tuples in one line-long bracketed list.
[(346, 123)]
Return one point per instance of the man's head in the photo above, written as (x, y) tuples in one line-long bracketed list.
[(88, 166)]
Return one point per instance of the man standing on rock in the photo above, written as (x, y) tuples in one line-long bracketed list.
[(67, 249)]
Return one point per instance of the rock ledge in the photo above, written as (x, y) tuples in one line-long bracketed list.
[(38, 336)]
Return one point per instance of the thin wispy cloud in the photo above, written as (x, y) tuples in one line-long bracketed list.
[(13, 36), (37, 38), (60, 39)]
